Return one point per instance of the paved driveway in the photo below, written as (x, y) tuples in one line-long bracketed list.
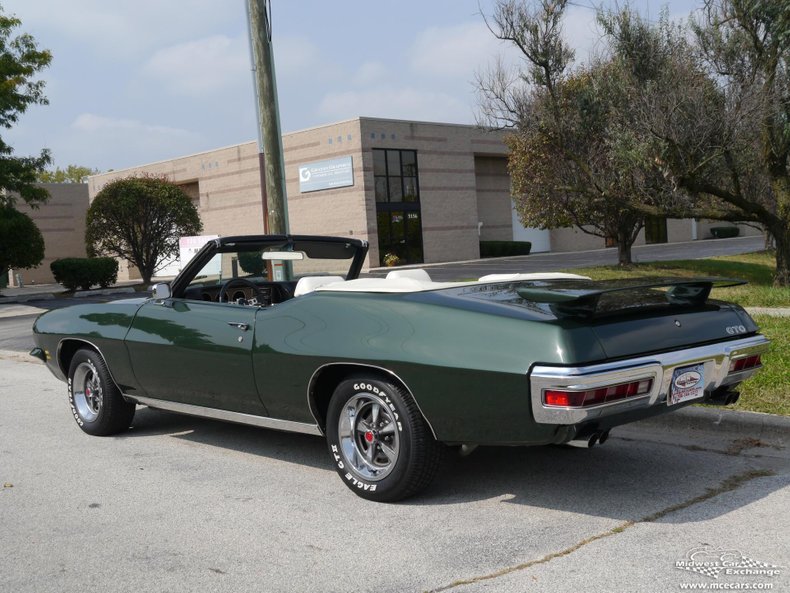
[(551, 262), (184, 504)]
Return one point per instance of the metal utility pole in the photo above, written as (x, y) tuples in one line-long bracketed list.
[(270, 143)]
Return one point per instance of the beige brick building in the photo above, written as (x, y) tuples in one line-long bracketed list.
[(424, 192), (62, 224)]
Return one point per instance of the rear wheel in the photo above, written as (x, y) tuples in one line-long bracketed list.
[(96, 403), (380, 444)]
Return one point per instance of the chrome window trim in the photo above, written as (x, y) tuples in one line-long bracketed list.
[(310, 383), (659, 367), (227, 415)]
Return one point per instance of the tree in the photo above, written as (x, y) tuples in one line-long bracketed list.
[(21, 243), (572, 150), (140, 219), (20, 61), (71, 174), (721, 129)]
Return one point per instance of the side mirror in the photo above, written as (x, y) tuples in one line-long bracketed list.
[(161, 291)]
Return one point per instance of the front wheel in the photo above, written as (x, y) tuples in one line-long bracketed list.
[(380, 444), (96, 403)]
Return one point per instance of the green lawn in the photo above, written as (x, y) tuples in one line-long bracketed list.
[(769, 390), (756, 268)]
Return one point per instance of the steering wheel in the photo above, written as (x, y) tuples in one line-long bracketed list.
[(235, 282)]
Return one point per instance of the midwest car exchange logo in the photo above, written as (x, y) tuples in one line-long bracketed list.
[(714, 562)]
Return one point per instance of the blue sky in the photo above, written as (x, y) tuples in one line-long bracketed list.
[(137, 82)]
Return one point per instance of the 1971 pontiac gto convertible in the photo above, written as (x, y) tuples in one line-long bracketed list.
[(280, 332)]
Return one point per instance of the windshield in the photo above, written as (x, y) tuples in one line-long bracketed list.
[(276, 262)]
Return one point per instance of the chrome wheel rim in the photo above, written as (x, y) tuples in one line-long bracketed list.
[(87, 391), (369, 439)]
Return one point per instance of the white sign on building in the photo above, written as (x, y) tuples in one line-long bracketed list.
[(187, 248)]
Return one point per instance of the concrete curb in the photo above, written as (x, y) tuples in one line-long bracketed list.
[(26, 298), (103, 292), (769, 311), (712, 420), (44, 296)]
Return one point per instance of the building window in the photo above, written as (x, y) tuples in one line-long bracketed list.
[(397, 190), (655, 229)]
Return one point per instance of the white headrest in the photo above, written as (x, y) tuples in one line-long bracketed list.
[(310, 283), (416, 274)]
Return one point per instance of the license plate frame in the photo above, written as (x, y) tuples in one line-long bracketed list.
[(688, 383)]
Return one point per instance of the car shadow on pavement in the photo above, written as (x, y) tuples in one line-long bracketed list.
[(624, 479), (284, 446)]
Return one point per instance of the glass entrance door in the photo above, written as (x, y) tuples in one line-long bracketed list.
[(398, 214)]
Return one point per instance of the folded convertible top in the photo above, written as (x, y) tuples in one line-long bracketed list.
[(585, 298)]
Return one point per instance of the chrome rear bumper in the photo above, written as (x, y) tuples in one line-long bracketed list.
[(658, 367)]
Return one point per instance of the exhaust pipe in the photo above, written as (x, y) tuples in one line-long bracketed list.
[(723, 396), (466, 449), (589, 441)]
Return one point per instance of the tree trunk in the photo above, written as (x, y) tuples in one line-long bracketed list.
[(624, 253), (623, 250), (782, 241)]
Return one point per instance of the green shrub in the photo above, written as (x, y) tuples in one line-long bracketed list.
[(252, 262), (725, 232), (504, 248), (81, 272)]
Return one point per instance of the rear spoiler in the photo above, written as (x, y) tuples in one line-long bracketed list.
[(581, 298)]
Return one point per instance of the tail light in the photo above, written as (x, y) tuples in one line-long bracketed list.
[(594, 397), (745, 364)]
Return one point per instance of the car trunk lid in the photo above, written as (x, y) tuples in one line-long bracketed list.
[(628, 317)]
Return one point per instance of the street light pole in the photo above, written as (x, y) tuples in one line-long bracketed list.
[(270, 143)]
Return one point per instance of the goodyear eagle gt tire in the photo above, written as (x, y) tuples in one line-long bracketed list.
[(96, 403), (380, 445)]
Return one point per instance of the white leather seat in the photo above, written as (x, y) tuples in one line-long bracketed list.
[(416, 274), (308, 284)]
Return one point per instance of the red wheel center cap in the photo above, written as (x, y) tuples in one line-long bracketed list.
[(369, 437), (88, 391)]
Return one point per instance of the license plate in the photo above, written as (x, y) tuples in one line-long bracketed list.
[(687, 383)]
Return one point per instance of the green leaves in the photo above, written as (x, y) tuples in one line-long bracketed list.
[(71, 174), (20, 61), (140, 219), (21, 243)]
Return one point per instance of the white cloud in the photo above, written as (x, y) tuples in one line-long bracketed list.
[(295, 56), (581, 31), (398, 103), (125, 29), (454, 51), (369, 73), (91, 138), (211, 64)]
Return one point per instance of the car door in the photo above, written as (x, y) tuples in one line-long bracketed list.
[(196, 352)]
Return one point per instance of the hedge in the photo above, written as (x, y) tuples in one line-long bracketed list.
[(503, 248), (725, 232), (82, 272)]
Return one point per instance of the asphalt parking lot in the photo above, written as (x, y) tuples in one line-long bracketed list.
[(185, 504)]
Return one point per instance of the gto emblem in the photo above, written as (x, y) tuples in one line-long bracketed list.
[(735, 329)]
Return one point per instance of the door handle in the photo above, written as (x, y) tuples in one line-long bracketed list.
[(242, 326)]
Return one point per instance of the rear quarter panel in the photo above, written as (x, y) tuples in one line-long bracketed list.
[(466, 369)]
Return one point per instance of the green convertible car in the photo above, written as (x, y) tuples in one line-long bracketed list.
[(280, 332)]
